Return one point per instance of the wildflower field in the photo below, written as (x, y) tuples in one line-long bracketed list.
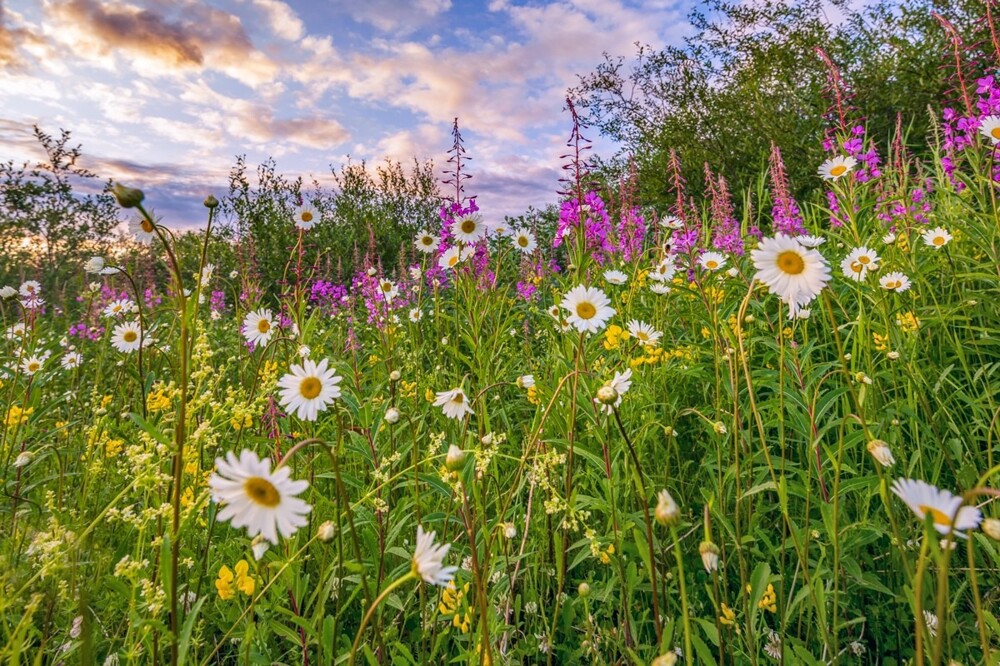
[(742, 429)]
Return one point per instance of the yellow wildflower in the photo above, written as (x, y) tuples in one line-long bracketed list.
[(728, 615), (17, 416), (881, 342), (158, 400), (244, 581), (769, 601), (224, 583), (614, 336), (908, 322)]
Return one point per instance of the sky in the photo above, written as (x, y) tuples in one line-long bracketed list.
[(164, 94)]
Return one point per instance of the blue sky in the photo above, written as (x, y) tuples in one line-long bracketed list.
[(164, 94)]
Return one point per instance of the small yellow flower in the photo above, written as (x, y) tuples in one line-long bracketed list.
[(429, 395), (728, 616), (224, 583), (881, 342), (908, 322), (769, 601), (244, 581)]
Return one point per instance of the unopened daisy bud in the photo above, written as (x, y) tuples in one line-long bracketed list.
[(666, 659), (392, 415), (372, 272), (709, 555), (23, 458), (526, 381), (892, 356), (607, 395), (455, 458), (259, 546), (326, 531), (583, 590), (667, 511), (881, 452), (128, 197), (8, 291), (394, 376), (94, 265), (210, 202), (991, 527), (719, 427), (509, 530)]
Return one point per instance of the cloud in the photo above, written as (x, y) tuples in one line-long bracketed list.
[(283, 20), (11, 40), (403, 16)]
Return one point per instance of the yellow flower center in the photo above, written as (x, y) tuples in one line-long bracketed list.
[(790, 262), (838, 170), (642, 335), (857, 266), (711, 264), (995, 132), (522, 241), (306, 216), (310, 387), (263, 326), (468, 225), (262, 491), (33, 367), (893, 284), (453, 260), (864, 259), (427, 240), (459, 398), (586, 310), (940, 518), (146, 225), (386, 287), (939, 240), (130, 336)]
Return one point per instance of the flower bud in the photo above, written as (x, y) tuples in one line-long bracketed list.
[(991, 526), (667, 511), (583, 590), (509, 530), (709, 555), (665, 659), (607, 395), (128, 197), (394, 376), (392, 415), (211, 202), (881, 452), (455, 458), (326, 531), (259, 546)]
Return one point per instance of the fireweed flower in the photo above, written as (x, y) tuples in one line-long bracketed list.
[(645, 334), (426, 242), (833, 169), (309, 388), (453, 403), (894, 281), (589, 308), (125, 337), (305, 217), (794, 273), (524, 241), (615, 277), (946, 510), (258, 326), (859, 262), (428, 560), (254, 497), (937, 237)]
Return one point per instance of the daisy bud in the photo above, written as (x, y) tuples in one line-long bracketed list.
[(583, 590), (526, 381), (892, 356), (667, 511), (128, 197), (455, 458), (719, 427), (259, 546), (391, 415), (233, 275), (211, 202), (94, 265), (709, 555), (372, 272), (881, 452), (8, 292), (991, 526), (666, 659), (326, 531), (607, 395), (23, 458), (394, 376), (509, 530)]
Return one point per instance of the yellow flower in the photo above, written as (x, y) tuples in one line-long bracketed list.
[(452, 604), (113, 447), (158, 400), (224, 583), (106, 400), (533, 395), (17, 416), (881, 342), (728, 615), (908, 322), (614, 336), (244, 581), (429, 395), (769, 601)]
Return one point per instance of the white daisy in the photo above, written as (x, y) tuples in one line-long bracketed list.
[(589, 308), (258, 326), (810, 241), (712, 261), (838, 166), (97, 266), (621, 383), (946, 510), (120, 307), (894, 281), (794, 273), (889, 238), (937, 237), (659, 288), (7, 291), (126, 337), (308, 388), (426, 242), (615, 277), (453, 403), (468, 229), (428, 560), (71, 360), (859, 262), (990, 128), (30, 289), (645, 334), (306, 216), (416, 314), (671, 222), (254, 497), (142, 228), (524, 241), (667, 512), (663, 271), (451, 258), (32, 364), (388, 289), (526, 381)]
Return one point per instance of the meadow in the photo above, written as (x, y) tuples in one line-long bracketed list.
[(726, 432)]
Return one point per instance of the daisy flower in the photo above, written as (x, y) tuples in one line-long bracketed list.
[(791, 271), (990, 128), (712, 261), (468, 229), (659, 288), (671, 222), (524, 241), (859, 262), (416, 314), (663, 271), (125, 337), (388, 289), (453, 403), (644, 333), (308, 388), (71, 360), (621, 383), (833, 169), (451, 258), (31, 365), (142, 228), (258, 326), (615, 277), (254, 497), (937, 237), (810, 241), (306, 216), (894, 281), (426, 242), (667, 512), (7, 291), (589, 308), (122, 306), (30, 289), (526, 381), (946, 510), (97, 266), (428, 560)]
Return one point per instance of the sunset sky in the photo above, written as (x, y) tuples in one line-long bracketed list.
[(164, 94)]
